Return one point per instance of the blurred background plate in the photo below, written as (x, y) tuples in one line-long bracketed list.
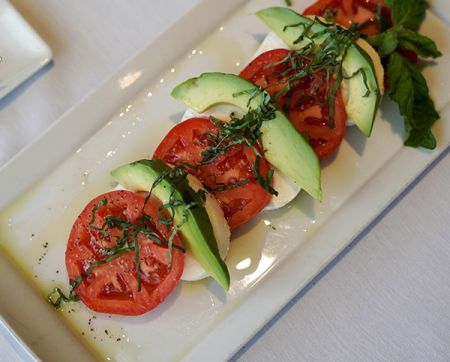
[(22, 51)]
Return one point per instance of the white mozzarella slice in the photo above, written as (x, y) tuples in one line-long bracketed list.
[(192, 269), (219, 111), (119, 187), (270, 42), (287, 191)]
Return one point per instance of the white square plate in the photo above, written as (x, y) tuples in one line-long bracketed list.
[(22, 51), (270, 260)]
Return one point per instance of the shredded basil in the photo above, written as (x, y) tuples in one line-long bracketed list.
[(313, 60), (244, 131)]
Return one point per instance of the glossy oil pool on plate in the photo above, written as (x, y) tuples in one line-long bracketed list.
[(201, 313)]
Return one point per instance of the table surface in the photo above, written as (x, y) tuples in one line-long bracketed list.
[(385, 298)]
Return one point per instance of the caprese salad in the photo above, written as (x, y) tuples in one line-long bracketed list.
[(173, 214)]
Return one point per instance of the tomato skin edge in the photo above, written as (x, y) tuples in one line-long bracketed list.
[(90, 290), (184, 143)]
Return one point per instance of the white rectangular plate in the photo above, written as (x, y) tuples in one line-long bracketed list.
[(270, 260), (22, 51)]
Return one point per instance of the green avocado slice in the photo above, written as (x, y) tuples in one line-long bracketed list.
[(364, 94), (284, 147), (196, 230)]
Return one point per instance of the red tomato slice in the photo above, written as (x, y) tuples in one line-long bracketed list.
[(113, 287), (306, 102), (346, 12), (186, 142), (310, 116), (262, 71)]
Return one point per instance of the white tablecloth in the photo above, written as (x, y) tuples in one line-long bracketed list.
[(386, 298)]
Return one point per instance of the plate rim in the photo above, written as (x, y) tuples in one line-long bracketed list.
[(25, 154)]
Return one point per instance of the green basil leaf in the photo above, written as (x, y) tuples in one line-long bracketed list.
[(409, 89), (420, 134), (401, 84), (420, 44), (409, 13), (385, 42)]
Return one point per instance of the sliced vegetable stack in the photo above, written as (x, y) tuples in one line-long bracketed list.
[(221, 158), (214, 172), (188, 204), (306, 80), (391, 27)]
